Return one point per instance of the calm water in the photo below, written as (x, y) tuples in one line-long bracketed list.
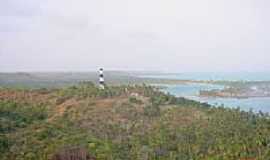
[(191, 91), (237, 76)]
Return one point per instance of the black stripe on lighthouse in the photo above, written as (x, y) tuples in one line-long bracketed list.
[(101, 79)]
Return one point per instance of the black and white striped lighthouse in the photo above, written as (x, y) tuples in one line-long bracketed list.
[(101, 79)]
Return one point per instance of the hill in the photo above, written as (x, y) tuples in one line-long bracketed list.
[(124, 122)]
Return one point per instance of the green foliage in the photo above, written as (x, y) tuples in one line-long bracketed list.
[(4, 143), (152, 110), (109, 124), (13, 115), (135, 100)]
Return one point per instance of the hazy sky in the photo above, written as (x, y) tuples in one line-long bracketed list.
[(175, 35)]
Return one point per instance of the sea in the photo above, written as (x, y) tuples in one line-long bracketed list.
[(191, 90)]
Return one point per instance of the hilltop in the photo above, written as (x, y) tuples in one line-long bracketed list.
[(124, 122)]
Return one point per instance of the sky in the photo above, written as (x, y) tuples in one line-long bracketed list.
[(149, 35)]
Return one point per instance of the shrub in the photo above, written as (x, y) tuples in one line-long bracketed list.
[(135, 100), (152, 110), (76, 153), (4, 143)]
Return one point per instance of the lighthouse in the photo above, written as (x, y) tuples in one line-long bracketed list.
[(101, 79)]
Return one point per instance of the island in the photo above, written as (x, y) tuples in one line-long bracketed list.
[(239, 90)]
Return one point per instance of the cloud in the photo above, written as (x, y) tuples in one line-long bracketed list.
[(143, 34)]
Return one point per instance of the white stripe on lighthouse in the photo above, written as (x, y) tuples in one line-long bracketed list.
[(101, 79), (100, 71)]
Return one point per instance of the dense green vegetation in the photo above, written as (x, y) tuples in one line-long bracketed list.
[(125, 122)]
